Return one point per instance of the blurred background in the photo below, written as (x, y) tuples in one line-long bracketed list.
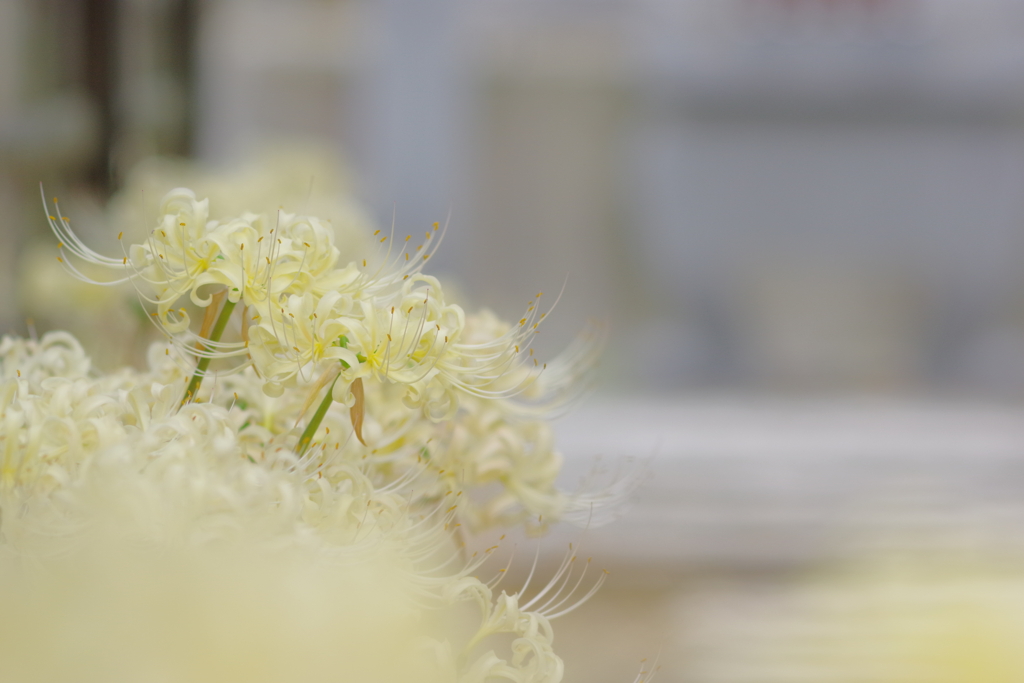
[(802, 219)]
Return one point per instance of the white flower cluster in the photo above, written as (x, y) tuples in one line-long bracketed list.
[(356, 417)]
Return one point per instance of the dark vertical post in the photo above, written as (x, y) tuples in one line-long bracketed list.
[(183, 37), (99, 28)]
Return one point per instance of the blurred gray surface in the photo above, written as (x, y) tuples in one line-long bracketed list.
[(763, 486)]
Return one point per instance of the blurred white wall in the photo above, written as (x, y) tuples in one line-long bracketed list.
[(830, 189), (758, 193)]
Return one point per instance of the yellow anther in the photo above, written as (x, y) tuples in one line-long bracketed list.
[(408, 237), (376, 232), (426, 256), (436, 226), (383, 239), (60, 259), (364, 263), (121, 234)]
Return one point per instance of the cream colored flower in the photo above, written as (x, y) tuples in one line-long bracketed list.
[(366, 421), (262, 259), (298, 338), (533, 658), (405, 343)]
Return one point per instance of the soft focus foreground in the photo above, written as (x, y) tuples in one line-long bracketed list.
[(117, 612)]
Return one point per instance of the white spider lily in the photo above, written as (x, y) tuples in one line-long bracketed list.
[(257, 261), (492, 359), (382, 275), (404, 343), (259, 264), (164, 267), (533, 658), (69, 243), (483, 448), (294, 340), (177, 251)]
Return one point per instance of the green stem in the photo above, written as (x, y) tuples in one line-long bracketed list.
[(204, 362), (318, 417)]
